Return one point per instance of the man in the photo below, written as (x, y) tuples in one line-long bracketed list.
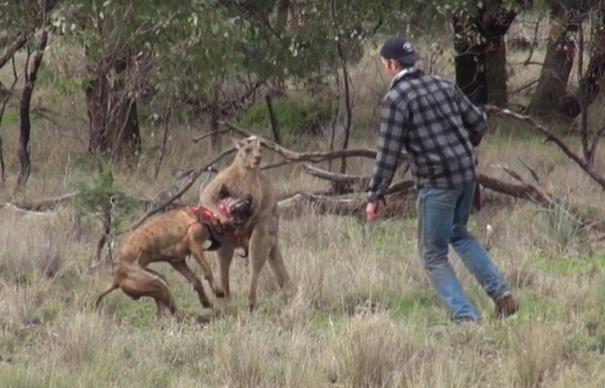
[(439, 128)]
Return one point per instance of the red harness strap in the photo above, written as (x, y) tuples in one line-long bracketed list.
[(203, 214), (208, 215), (224, 211), (207, 218)]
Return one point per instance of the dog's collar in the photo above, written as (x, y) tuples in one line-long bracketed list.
[(208, 218)]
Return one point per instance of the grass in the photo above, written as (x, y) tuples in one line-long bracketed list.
[(362, 313)]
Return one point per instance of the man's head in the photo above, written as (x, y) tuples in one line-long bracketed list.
[(397, 54), (248, 152)]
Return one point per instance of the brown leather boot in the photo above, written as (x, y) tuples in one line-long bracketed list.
[(506, 306)]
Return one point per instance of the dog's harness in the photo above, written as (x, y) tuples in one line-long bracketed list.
[(209, 219)]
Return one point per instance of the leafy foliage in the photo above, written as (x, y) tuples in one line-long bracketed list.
[(101, 196), (294, 116)]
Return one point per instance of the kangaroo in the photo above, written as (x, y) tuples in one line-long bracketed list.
[(171, 237), (260, 231)]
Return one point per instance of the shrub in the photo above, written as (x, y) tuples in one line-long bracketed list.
[(295, 117)]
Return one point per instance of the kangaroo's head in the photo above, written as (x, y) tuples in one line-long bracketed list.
[(248, 153)]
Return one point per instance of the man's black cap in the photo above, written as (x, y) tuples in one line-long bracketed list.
[(399, 49)]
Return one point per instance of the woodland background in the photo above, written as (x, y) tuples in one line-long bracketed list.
[(113, 111)]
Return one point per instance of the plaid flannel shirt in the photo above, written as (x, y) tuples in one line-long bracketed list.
[(435, 122)]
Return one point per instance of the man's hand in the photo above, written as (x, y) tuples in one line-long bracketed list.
[(372, 211)]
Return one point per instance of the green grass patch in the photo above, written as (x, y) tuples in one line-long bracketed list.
[(139, 314), (322, 320), (405, 306), (535, 306), (569, 266)]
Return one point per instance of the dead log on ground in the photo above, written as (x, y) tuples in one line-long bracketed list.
[(292, 156), (580, 161)]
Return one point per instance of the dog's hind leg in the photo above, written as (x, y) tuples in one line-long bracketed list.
[(183, 269), (138, 283), (156, 273)]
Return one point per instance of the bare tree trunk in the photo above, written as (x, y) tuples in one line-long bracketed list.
[(345, 77), (9, 92), (560, 52), (348, 113), (335, 115), (495, 71), (215, 138), (470, 58), (164, 142), (24, 106), (282, 15), (495, 22), (113, 121), (481, 52), (590, 84), (273, 120)]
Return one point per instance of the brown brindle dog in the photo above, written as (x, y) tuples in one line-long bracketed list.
[(171, 237)]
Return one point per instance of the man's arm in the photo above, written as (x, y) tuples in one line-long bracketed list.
[(390, 142), (475, 120)]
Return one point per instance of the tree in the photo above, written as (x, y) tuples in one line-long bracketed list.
[(112, 34), (21, 20), (551, 91), (481, 52), (590, 83)]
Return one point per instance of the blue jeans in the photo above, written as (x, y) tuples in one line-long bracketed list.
[(442, 218)]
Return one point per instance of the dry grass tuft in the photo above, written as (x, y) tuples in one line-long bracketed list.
[(537, 350)]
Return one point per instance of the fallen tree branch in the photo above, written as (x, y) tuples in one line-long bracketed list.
[(533, 172), (18, 209), (322, 204), (399, 199), (13, 48), (208, 134), (350, 205), (48, 205), (193, 177), (296, 157), (554, 138), (43, 205), (361, 182), (534, 194), (345, 179), (522, 191)]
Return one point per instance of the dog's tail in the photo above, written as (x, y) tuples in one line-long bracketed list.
[(113, 287)]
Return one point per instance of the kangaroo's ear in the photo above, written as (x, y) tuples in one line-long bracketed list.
[(237, 143), (223, 192)]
